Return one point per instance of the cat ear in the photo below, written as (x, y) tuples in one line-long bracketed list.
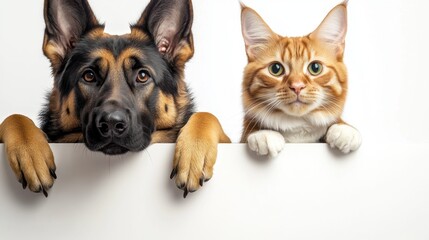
[(256, 32), (332, 30), (169, 22), (66, 22)]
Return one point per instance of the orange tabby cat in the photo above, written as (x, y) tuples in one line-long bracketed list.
[(294, 88)]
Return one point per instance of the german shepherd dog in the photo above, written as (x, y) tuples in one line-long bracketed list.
[(116, 94)]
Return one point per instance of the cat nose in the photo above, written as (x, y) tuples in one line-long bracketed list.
[(297, 87)]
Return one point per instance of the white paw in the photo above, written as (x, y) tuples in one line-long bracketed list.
[(266, 142), (343, 137)]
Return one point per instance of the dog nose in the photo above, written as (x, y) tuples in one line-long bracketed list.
[(113, 123)]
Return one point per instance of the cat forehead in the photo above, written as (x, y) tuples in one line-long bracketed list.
[(287, 49), (300, 49), (296, 47)]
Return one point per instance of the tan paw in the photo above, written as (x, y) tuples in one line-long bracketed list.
[(193, 164), (196, 152), (29, 155)]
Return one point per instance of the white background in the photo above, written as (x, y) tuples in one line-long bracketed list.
[(386, 54), (308, 192)]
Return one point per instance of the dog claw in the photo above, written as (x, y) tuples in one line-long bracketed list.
[(185, 193), (201, 182), (23, 182), (45, 192), (181, 186), (53, 174), (173, 173)]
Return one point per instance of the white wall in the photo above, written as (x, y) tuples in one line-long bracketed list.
[(386, 55), (309, 192)]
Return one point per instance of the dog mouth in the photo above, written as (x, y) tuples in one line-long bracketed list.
[(113, 149), (117, 147)]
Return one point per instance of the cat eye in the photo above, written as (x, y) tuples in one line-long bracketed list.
[(276, 69), (88, 76), (142, 76), (315, 68)]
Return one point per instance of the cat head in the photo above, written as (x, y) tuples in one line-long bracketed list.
[(297, 76)]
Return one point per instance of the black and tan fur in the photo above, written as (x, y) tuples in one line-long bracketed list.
[(116, 94)]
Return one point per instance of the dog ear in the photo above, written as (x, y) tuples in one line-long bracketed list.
[(66, 22), (169, 23)]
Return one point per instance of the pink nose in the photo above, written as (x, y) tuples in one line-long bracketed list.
[(297, 87)]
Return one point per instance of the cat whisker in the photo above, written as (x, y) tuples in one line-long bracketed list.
[(268, 109), (254, 115), (257, 104)]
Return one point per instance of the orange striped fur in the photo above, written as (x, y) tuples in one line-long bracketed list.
[(282, 92)]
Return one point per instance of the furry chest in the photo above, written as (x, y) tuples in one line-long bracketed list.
[(304, 134), (295, 129)]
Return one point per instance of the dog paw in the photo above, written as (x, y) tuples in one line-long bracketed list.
[(29, 155), (196, 152), (266, 142), (343, 137), (194, 161)]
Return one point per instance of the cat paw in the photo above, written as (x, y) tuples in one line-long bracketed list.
[(266, 142), (343, 137)]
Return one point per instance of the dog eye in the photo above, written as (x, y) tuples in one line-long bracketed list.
[(88, 76), (142, 76)]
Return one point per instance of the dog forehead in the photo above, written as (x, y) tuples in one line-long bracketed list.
[(119, 48), (135, 33)]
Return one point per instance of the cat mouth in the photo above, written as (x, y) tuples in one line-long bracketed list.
[(298, 102)]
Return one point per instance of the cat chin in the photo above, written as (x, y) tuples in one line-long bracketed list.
[(322, 118), (309, 114), (297, 109)]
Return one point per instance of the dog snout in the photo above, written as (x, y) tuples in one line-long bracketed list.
[(113, 122)]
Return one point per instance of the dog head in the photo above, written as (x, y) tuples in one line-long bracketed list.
[(107, 87)]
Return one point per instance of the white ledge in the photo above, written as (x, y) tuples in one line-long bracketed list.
[(308, 192)]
